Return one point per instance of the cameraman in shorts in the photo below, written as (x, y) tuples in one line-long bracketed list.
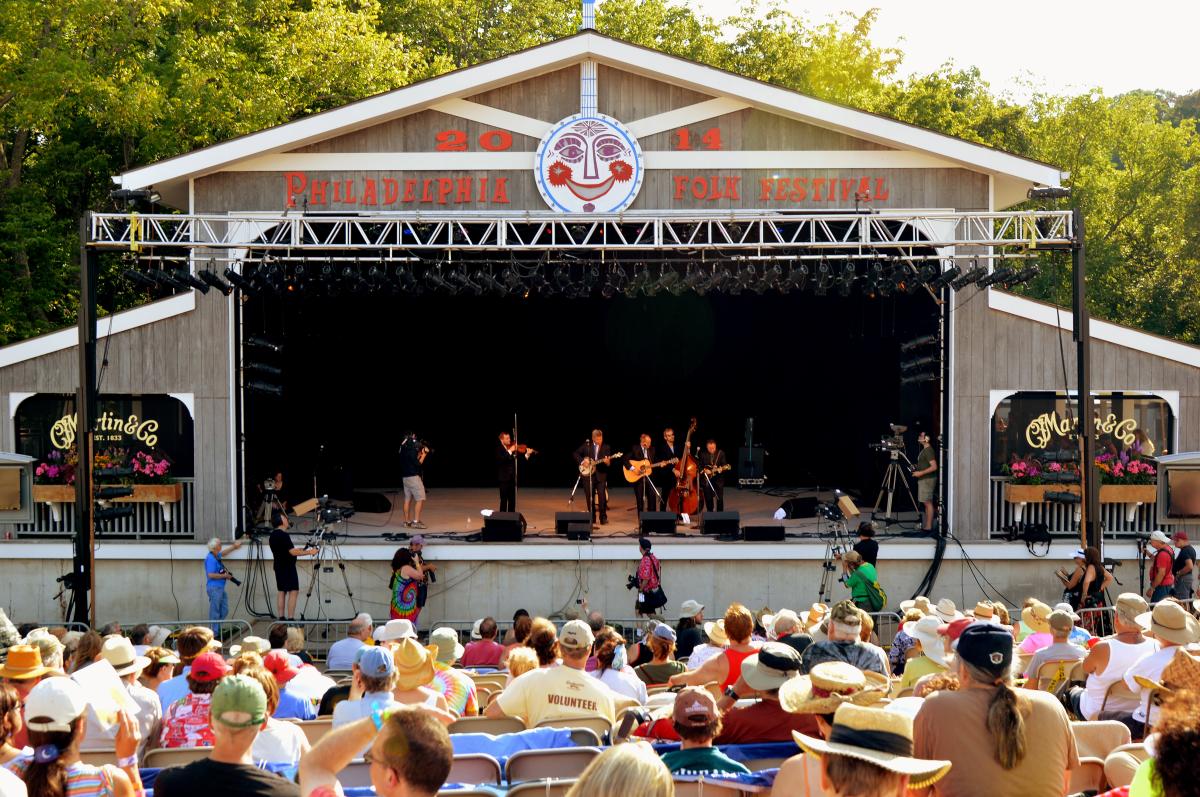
[(412, 467)]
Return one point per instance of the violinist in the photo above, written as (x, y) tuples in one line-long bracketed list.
[(664, 477), (507, 455), (712, 476)]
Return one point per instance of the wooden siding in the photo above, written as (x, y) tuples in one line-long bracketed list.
[(188, 353), (415, 133), (626, 96), (753, 129), (998, 351)]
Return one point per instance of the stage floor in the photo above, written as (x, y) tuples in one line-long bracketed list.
[(456, 512)]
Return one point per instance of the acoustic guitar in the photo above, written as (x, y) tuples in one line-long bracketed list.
[(640, 468), (716, 470)]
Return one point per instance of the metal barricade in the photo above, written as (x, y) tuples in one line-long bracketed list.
[(82, 628), (1099, 620), (226, 630), (319, 635), (887, 625)]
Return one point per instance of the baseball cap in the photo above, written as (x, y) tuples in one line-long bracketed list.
[(694, 707), (576, 635), (1179, 534), (208, 667), (279, 664), (57, 702), (664, 631), (1159, 536), (1061, 621), (239, 702), (375, 662), (1079, 554), (986, 646), (954, 630)]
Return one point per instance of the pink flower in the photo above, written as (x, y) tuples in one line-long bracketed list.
[(1055, 467)]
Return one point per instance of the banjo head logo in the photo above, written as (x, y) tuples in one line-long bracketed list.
[(589, 164)]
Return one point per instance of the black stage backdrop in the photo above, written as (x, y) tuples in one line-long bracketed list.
[(818, 374)]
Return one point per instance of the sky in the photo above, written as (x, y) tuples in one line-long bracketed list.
[(1061, 46)]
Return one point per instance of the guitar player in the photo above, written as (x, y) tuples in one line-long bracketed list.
[(644, 493), (712, 476), (595, 487)]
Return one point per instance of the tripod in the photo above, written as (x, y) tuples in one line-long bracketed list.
[(256, 576), (891, 476), (330, 551), (837, 542)]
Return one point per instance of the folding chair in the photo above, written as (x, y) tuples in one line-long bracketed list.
[(698, 788), (565, 762), (492, 725), (548, 787), (475, 768), (315, 729), (355, 774), (166, 757), (1052, 674), (600, 725), (96, 758)]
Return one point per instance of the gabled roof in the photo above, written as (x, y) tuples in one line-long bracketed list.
[(1015, 172)]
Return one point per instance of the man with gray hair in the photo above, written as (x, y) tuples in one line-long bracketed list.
[(215, 577), (343, 652)]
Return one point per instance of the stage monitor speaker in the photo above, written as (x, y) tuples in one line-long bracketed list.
[(750, 463), (657, 523), (504, 527), (763, 534), (579, 532), (375, 503), (724, 524), (564, 519), (847, 506), (799, 508)]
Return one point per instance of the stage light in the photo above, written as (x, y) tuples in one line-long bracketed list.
[(264, 387), (976, 273), (434, 281), (484, 278), (824, 277), (668, 278), (916, 343), (214, 279), (998, 276), (138, 278), (186, 277), (846, 280), (169, 280), (264, 369), (1022, 276), (916, 379), (946, 278), (240, 282), (795, 280), (266, 344), (920, 362), (460, 278), (108, 513), (771, 278), (696, 281), (1047, 192), (719, 279)]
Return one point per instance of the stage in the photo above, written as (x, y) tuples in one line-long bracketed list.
[(453, 513)]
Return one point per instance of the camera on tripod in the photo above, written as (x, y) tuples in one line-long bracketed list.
[(830, 511), (329, 513), (893, 443)]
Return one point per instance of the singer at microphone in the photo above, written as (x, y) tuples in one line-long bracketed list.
[(215, 577)]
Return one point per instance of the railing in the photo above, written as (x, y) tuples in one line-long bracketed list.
[(225, 630), (146, 522), (82, 628), (1062, 518)]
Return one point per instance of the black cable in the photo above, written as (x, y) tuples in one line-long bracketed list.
[(171, 559)]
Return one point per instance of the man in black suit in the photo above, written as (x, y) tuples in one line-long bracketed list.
[(506, 471), (641, 488), (712, 482), (664, 477), (595, 487)]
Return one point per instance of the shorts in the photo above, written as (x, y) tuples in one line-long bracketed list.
[(926, 490), (414, 488), (287, 580)]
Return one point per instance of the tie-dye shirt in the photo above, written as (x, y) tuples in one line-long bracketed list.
[(457, 688)]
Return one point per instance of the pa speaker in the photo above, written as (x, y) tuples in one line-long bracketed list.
[(657, 522), (504, 527), (763, 533), (579, 532), (724, 524), (799, 508), (564, 519)]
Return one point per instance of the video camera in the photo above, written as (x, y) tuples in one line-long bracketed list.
[(328, 513), (892, 443), (830, 511)]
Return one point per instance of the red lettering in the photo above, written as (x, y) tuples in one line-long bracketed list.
[(864, 187), (817, 184), (731, 188), (426, 194), (680, 185), (296, 182), (700, 188), (410, 190), (350, 197), (764, 186), (714, 191), (369, 197), (494, 140), (337, 191), (799, 189), (500, 194), (318, 189), (881, 190), (684, 139), (712, 138), (445, 186), (847, 187), (781, 190), (482, 190), (451, 141), (462, 191)]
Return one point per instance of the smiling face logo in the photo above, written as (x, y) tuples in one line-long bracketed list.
[(589, 164)]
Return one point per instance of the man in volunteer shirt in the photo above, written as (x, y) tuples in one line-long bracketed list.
[(558, 692)]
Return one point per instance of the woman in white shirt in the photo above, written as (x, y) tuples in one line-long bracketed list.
[(281, 742), (613, 669)]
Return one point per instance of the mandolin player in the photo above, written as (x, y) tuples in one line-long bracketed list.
[(595, 453), (712, 476)]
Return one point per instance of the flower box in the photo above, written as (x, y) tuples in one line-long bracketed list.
[(1109, 493), (162, 494), (54, 493)]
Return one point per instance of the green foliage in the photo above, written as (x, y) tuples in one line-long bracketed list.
[(89, 88)]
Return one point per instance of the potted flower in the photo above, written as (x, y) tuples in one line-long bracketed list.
[(1126, 479), (54, 478), (152, 480)]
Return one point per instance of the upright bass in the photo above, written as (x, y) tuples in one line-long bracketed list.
[(685, 495)]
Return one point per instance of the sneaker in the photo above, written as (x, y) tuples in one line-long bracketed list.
[(407, 524), (416, 524)]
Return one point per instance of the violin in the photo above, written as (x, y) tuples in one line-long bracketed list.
[(685, 495), (521, 448)]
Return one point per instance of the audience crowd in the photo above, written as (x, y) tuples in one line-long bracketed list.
[(976, 702)]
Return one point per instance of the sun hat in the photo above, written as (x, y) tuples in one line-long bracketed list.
[(157, 636), (773, 666), (239, 702), (946, 610), (829, 685), (475, 635), (1079, 554), (954, 630), (54, 704), (715, 631), (396, 629), (1170, 622), (984, 612), (118, 651), (920, 603), (24, 662), (445, 639), (690, 608), (925, 631), (414, 664), (1067, 609), (279, 664), (1037, 617), (210, 667), (815, 616), (250, 644), (1181, 672), (880, 737), (1130, 606), (772, 620)]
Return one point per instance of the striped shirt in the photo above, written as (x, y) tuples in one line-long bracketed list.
[(82, 780)]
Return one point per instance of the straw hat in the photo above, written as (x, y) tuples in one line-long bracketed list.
[(946, 610), (984, 613), (815, 616), (715, 631), (414, 663), (118, 651), (770, 620), (251, 644), (925, 631), (24, 662), (1037, 617), (877, 736), (829, 685), (1170, 622), (920, 603)]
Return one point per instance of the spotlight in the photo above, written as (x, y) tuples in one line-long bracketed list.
[(846, 281), (186, 277), (265, 369), (138, 278), (719, 279), (1000, 275), (916, 343), (484, 278), (434, 281), (406, 281), (946, 278), (169, 280), (824, 277), (266, 344), (976, 273), (240, 282), (696, 281), (1022, 276), (134, 195), (214, 279), (1047, 192), (920, 362), (668, 279), (916, 379), (460, 278), (795, 280), (512, 281), (264, 387)]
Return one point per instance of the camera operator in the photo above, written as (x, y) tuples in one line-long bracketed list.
[(215, 577), (287, 581), (412, 466), (926, 472), (863, 582)]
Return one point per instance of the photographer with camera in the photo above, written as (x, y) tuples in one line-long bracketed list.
[(648, 582), (412, 466), (926, 472), (287, 580), (215, 577)]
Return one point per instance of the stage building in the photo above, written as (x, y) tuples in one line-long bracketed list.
[(586, 234)]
